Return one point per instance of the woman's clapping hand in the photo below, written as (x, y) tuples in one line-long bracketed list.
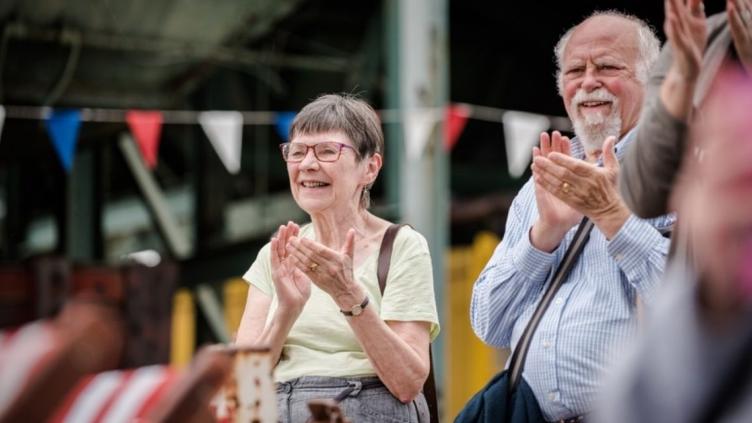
[(293, 287)]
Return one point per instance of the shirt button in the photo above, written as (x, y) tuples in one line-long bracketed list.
[(546, 344), (559, 301), (553, 395), (619, 257)]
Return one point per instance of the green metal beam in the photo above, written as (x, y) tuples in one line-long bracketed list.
[(83, 240), (175, 239), (418, 74)]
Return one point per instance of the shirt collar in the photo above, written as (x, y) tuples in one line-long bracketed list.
[(578, 150)]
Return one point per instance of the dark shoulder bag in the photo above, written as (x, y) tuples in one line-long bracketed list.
[(507, 397), (382, 271)]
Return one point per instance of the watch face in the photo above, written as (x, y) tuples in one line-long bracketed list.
[(357, 309)]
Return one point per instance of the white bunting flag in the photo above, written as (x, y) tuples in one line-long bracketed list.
[(225, 131), (418, 127), (521, 133)]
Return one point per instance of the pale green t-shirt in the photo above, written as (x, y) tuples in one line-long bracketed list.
[(321, 342)]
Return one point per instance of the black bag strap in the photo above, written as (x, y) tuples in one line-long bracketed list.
[(382, 271), (517, 363)]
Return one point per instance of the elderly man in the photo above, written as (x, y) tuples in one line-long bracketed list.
[(603, 65)]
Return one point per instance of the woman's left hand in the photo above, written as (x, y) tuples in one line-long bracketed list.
[(330, 270)]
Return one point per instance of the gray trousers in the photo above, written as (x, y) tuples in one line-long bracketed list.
[(367, 400)]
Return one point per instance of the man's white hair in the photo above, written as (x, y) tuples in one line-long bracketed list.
[(648, 46)]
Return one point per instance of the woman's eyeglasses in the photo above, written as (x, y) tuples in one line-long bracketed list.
[(295, 152)]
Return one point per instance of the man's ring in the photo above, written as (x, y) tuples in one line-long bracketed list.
[(313, 266), (565, 187)]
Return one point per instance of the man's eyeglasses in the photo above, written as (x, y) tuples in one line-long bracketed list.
[(295, 152)]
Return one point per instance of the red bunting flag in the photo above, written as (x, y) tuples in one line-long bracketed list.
[(454, 124), (146, 127)]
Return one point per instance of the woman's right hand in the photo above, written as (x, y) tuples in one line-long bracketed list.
[(293, 287)]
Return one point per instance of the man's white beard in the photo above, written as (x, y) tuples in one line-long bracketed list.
[(592, 129)]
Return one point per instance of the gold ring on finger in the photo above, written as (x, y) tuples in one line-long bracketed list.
[(313, 266), (565, 187)]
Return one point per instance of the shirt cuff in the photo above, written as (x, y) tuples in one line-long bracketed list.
[(532, 262), (628, 248)]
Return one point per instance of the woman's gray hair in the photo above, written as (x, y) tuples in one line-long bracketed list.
[(348, 114), (648, 44)]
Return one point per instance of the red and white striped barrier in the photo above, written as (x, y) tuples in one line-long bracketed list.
[(22, 352), (116, 396)]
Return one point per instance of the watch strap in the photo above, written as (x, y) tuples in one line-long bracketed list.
[(360, 306)]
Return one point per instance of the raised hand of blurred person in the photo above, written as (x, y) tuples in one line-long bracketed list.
[(739, 14), (586, 187), (686, 29), (293, 286), (555, 217)]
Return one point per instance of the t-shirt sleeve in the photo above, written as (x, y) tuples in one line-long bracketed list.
[(409, 293), (260, 272)]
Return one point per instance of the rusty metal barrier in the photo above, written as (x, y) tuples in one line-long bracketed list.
[(249, 394)]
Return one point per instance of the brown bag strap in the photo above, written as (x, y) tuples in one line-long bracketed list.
[(382, 271), (385, 254)]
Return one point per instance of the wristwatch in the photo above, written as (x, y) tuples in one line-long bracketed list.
[(357, 309)]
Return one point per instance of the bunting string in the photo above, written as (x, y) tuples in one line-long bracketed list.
[(264, 117), (224, 129), (171, 117)]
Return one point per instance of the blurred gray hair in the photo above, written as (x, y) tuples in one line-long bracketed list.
[(648, 45)]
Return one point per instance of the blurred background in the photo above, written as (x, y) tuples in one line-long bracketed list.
[(139, 159)]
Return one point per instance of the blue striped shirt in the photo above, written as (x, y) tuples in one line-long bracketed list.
[(592, 312)]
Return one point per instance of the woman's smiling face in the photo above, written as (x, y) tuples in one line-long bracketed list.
[(318, 186)]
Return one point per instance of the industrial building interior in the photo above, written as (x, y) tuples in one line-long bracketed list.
[(253, 56)]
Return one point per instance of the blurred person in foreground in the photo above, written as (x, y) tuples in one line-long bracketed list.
[(314, 296), (677, 87), (694, 360), (603, 65)]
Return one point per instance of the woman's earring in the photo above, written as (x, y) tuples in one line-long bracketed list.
[(365, 197)]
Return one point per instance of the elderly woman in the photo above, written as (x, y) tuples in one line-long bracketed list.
[(314, 296)]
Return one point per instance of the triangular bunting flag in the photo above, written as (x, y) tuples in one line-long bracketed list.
[(454, 122), (418, 126), (2, 120), (146, 127), (283, 122), (62, 126), (522, 132), (225, 131)]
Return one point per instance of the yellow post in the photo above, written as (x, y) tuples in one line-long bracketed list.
[(470, 363), (484, 245), (235, 293), (183, 336)]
